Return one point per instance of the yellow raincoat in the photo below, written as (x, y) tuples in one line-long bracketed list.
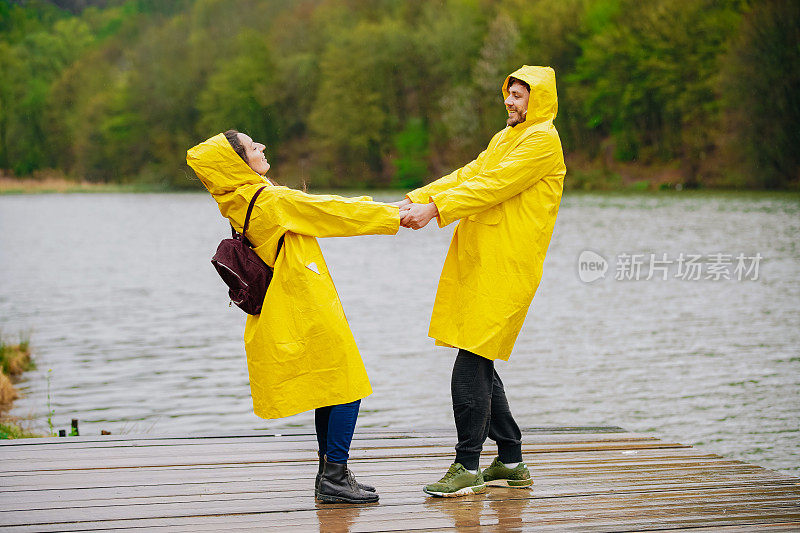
[(300, 351), (507, 201)]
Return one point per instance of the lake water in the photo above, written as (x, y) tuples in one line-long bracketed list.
[(131, 325)]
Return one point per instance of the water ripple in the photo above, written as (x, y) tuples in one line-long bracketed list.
[(126, 310)]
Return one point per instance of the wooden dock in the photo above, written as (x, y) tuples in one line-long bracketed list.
[(586, 479)]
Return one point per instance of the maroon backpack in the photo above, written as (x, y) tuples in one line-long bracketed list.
[(245, 274)]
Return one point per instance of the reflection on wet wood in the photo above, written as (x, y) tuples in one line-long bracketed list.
[(586, 479)]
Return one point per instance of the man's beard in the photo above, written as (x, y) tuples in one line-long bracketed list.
[(518, 118)]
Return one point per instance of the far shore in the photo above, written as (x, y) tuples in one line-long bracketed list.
[(578, 182), (62, 185)]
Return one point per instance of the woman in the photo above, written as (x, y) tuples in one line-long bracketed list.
[(301, 354)]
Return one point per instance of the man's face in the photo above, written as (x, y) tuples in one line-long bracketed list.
[(517, 103)]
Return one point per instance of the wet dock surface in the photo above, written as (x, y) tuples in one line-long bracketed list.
[(585, 479)]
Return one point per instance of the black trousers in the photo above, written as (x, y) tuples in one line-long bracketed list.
[(481, 410)]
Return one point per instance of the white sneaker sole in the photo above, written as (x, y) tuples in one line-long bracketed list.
[(505, 483), (466, 491)]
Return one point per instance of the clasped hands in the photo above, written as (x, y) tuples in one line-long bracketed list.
[(415, 216)]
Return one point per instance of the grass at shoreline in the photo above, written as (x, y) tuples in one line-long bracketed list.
[(14, 360), (12, 430)]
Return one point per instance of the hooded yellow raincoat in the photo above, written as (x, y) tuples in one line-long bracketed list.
[(507, 201), (300, 351)]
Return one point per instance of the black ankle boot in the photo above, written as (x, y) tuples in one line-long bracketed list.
[(362, 486), (319, 475), (337, 485)]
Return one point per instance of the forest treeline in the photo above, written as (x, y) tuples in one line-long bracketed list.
[(393, 93)]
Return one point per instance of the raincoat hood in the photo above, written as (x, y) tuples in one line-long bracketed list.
[(219, 167), (543, 102)]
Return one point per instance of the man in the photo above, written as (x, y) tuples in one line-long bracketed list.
[(506, 201)]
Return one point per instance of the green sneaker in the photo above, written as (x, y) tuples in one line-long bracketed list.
[(499, 475), (457, 482)]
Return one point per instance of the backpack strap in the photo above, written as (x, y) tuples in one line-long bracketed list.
[(250, 210)]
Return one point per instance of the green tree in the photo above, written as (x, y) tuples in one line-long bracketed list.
[(648, 78), (363, 99), (497, 58), (551, 33), (761, 87), (389, 92), (448, 39), (153, 114), (242, 92), (29, 69), (412, 154)]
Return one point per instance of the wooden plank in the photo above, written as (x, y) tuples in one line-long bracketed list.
[(206, 474), (728, 501), (696, 507), (406, 486), (597, 457), (784, 527), (414, 477), (411, 489), (551, 460), (551, 485), (421, 522), (290, 495), (291, 455), (115, 477), (296, 442), (102, 440), (339, 527), (618, 466), (139, 477), (585, 480), (540, 473), (305, 443), (272, 446), (545, 487)]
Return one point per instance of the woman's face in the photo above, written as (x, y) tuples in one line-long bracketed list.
[(255, 154)]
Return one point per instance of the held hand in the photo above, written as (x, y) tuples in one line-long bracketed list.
[(401, 203), (417, 216)]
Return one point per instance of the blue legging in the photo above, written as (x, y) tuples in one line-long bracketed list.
[(335, 427)]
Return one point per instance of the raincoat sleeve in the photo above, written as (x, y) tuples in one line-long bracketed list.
[(323, 215), (423, 194), (526, 164)]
